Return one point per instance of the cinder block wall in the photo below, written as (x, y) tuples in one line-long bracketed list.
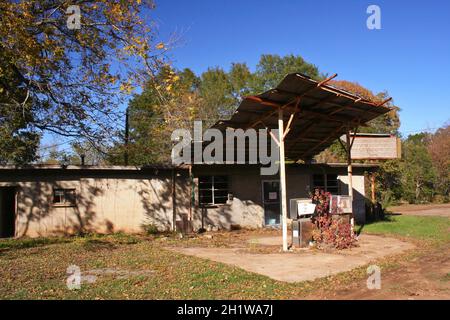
[(111, 201), (105, 201), (245, 183)]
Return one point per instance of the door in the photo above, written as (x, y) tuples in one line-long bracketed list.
[(7, 212), (271, 201)]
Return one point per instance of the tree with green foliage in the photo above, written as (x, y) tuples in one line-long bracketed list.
[(439, 150), (271, 69), (173, 99), (170, 101), (418, 175)]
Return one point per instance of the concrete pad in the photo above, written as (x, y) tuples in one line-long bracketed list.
[(304, 265)]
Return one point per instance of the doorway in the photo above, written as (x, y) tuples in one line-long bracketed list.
[(7, 212), (271, 202)]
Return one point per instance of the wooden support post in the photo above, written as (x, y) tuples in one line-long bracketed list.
[(372, 186), (350, 174), (174, 202), (127, 132), (191, 192), (282, 179)]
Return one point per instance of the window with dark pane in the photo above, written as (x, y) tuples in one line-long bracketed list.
[(213, 189), (64, 197), (58, 196), (331, 184), (318, 181)]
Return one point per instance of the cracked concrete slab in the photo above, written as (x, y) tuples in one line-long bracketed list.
[(305, 264)]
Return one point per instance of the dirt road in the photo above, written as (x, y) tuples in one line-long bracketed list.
[(442, 210), (424, 277)]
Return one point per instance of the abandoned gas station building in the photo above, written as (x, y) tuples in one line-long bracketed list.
[(42, 200)]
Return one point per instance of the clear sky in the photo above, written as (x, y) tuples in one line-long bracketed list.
[(409, 57)]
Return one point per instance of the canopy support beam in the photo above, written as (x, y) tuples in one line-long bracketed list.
[(282, 179), (348, 149)]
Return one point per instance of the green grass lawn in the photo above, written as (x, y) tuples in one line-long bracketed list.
[(422, 228), (36, 269)]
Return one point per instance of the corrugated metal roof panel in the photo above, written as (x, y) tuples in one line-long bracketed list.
[(325, 113)]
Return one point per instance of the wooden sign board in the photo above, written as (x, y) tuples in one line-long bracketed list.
[(375, 147)]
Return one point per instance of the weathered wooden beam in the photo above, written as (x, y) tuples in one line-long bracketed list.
[(326, 116), (306, 130), (270, 114), (340, 107), (349, 106), (278, 105), (274, 138), (306, 112), (321, 83), (350, 175), (384, 101), (324, 140), (291, 118), (327, 100)]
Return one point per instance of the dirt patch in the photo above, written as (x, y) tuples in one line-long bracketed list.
[(426, 276), (301, 265), (442, 210), (222, 239)]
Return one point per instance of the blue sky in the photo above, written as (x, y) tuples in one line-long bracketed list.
[(409, 57)]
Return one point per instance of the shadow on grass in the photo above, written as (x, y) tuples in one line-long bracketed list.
[(91, 242), (12, 244), (97, 245)]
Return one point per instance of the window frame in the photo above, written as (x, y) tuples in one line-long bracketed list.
[(325, 177), (68, 201), (212, 190)]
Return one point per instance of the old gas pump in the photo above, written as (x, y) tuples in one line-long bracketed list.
[(301, 210)]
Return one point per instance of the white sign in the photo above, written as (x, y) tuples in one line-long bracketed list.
[(273, 196), (305, 208)]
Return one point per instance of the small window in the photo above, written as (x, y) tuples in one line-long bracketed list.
[(332, 183), (64, 197), (328, 182), (213, 190), (319, 181)]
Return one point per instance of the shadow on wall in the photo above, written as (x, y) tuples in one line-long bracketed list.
[(157, 201), (234, 214), (95, 209), (145, 198), (38, 215), (156, 198)]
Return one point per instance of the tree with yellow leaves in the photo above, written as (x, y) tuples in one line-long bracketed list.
[(66, 65)]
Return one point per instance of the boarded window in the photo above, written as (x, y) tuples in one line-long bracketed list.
[(213, 190), (327, 182), (64, 197)]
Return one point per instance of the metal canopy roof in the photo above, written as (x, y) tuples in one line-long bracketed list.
[(319, 114)]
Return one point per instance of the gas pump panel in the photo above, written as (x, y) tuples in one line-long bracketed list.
[(300, 207), (301, 210), (342, 204)]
